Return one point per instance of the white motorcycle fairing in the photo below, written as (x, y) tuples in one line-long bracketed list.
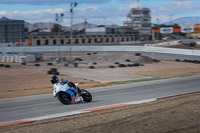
[(65, 88)]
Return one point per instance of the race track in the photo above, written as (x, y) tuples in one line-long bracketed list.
[(41, 105)]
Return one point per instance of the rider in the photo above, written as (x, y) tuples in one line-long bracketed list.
[(71, 84), (55, 79)]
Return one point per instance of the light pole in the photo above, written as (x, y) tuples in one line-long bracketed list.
[(138, 4), (104, 21), (72, 6), (158, 23), (171, 18), (85, 25), (59, 19)]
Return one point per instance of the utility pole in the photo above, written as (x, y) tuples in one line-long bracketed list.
[(59, 19), (85, 24), (104, 21), (72, 6), (138, 4), (171, 18), (158, 24)]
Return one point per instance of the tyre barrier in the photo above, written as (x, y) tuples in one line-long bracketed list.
[(156, 61), (137, 54), (49, 72), (78, 59), (128, 60), (53, 71), (111, 66), (136, 64), (37, 64), (7, 66), (130, 65), (189, 61), (192, 61), (75, 64), (49, 64), (92, 67), (122, 65)]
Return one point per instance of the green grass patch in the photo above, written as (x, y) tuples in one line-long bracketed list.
[(138, 80)]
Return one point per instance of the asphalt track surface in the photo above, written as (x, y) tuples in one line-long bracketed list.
[(41, 105)]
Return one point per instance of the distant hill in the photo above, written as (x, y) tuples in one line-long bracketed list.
[(45, 26), (190, 21)]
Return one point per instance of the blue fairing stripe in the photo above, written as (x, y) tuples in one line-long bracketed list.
[(72, 92)]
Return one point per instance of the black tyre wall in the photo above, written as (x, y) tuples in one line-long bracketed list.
[(62, 99)]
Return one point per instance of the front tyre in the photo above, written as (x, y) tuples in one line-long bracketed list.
[(87, 97), (63, 97)]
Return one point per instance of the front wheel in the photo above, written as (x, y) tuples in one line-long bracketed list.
[(87, 97), (64, 97)]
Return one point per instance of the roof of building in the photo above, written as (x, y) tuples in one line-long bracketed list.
[(140, 9), (4, 19)]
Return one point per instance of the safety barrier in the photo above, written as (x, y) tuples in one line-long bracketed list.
[(100, 48), (17, 58)]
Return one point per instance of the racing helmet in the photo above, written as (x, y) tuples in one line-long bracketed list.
[(54, 79)]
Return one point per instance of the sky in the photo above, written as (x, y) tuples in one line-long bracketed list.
[(98, 12)]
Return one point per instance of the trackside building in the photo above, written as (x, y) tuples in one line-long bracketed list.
[(11, 31)]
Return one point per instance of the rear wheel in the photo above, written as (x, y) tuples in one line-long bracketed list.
[(87, 97), (64, 97)]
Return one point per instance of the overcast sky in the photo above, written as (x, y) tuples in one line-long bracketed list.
[(95, 11)]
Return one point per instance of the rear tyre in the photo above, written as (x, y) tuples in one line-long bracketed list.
[(64, 98), (87, 97)]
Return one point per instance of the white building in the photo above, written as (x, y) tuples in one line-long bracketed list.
[(140, 19)]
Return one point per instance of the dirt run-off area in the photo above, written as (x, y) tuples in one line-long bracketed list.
[(24, 80)]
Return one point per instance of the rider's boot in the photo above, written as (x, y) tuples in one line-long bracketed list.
[(81, 92)]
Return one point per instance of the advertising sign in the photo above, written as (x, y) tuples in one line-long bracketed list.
[(166, 30), (187, 29)]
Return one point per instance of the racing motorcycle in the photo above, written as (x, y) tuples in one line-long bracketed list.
[(68, 92)]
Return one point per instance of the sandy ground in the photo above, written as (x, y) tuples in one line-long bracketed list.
[(178, 114)]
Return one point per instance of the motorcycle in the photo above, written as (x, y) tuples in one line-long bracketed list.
[(68, 92)]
